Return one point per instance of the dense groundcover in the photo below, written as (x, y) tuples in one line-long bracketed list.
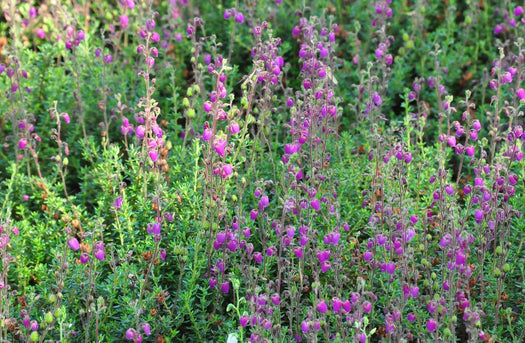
[(262, 171)]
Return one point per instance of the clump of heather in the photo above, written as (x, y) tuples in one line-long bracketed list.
[(258, 171)]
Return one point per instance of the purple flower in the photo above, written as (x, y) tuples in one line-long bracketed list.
[(305, 326), (208, 106), (234, 128), (445, 240), (153, 228), (298, 252), (291, 149), (377, 99), (520, 93), (73, 244), (146, 328), (347, 306), (518, 11), (446, 287), (275, 299), (451, 140), (243, 320), (498, 29), (140, 131), (225, 287), (478, 182), (409, 234), (221, 237), (131, 334), (22, 144), (226, 171), (315, 204), (460, 258), (239, 17), (153, 154), (478, 215), (321, 307), (381, 239), (306, 84), (99, 255), (431, 325), (323, 255), (40, 33), (220, 145), (367, 307), (108, 59), (253, 214), (124, 21), (482, 335), (32, 12), (414, 291), (84, 258), (257, 256), (390, 268), (150, 61), (264, 202), (206, 134), (367, 256), (232, 245), (325, 266), (470, 151), (155, 37), (449, 189)]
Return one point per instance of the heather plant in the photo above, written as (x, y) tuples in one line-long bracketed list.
[(261, 171)]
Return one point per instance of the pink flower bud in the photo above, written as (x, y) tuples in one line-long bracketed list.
[(150, 61), (206, 135), (321, 307), (520, 93), (124, 21), (73, 244), (22, 144), (140, 131), (220, 145), (239, 17), (155, 37), (153, 154), (234, 128)]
